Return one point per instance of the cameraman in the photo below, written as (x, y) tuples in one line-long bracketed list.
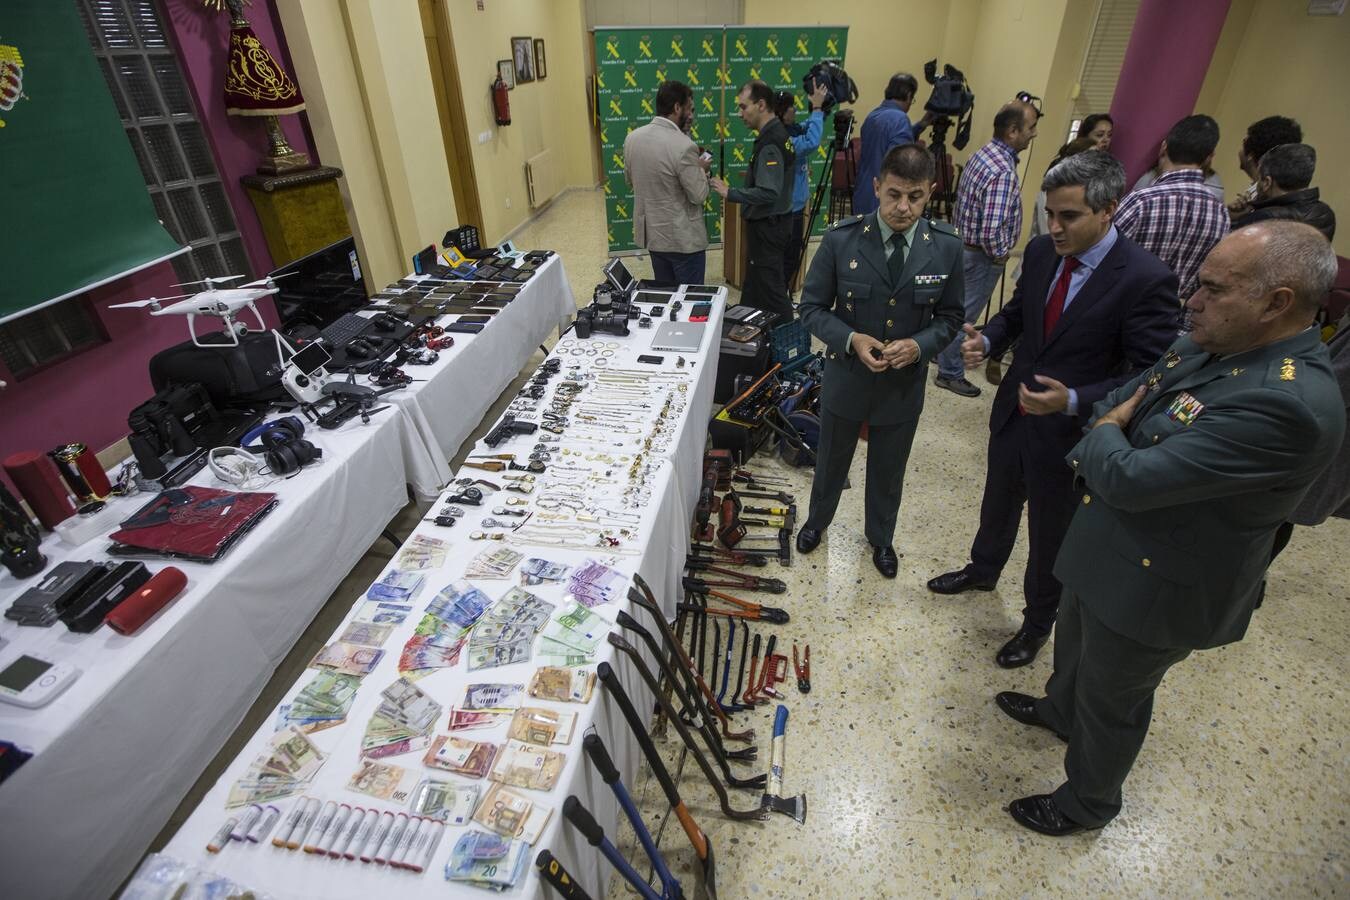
[(766, 202), (885, 127), (805, 139)]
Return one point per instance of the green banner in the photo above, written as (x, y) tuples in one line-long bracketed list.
[(631, 63), (76, 200)]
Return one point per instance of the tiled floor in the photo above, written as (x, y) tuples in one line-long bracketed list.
[(1241, 789)]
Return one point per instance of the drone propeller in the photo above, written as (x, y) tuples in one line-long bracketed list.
[(267, 282), (137, 304), (211, 281)]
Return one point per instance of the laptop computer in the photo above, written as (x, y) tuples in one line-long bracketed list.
[(679, 337)]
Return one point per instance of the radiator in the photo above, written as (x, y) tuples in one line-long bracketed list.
[(542, 179)]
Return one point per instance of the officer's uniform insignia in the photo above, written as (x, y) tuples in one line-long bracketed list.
[(1287, 372), (853, 264), (1185, 409)]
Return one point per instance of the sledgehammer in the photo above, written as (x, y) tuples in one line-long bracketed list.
[(788, 806)]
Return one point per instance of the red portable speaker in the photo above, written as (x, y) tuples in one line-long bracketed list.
[(40, 484), (128, 616)]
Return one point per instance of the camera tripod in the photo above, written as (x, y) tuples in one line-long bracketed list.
[(943, 203), (841, 198)]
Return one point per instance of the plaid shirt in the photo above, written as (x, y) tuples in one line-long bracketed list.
[(1176, 219), (989, 200)]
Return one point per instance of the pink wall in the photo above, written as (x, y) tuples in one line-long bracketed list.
[(1165, 65), (237, 142), (87, 397)]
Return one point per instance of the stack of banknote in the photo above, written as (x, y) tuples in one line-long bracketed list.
[(537, 725), (506, 633), (440, 636), (493, 563), (451, 802), (487, 860), (566, 684), (571, 639), (472, 759), (322, 703), (422, 553), (286, 767), (594, 583), (511, 814), (403, 721), (528, 766), (538, 571)]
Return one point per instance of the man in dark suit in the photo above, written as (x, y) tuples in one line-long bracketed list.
[(1090, 309), (884, 295), (1189, 469)]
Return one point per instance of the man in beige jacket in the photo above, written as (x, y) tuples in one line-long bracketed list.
[(669, 178)]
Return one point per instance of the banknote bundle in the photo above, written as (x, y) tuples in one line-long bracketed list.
[(472, 759), (512, 814), (527, 766), (536, 725), (439, 637), (381, 612), (402, 723), (566, 684), (397, 587), (506, 632), (448, 801), (473, 720), (382, 781), (286, 767), (347, 658), (594, 583), (493, 563), (487, 860), (539, 571), (322, 703), (421, 553), (572, 638), (493, 697)]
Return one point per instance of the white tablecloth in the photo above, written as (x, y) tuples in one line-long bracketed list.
[(117, 751), (661, 551), (462, 385)]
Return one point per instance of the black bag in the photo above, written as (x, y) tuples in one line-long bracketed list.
[(245, 375)]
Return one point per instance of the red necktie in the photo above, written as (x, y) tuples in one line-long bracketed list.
[(1054, 307)]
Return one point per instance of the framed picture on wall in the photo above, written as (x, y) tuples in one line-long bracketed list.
[(522, 55), (540, 66), (507, 73)]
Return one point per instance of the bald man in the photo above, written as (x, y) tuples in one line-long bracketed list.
[(1188, 470)]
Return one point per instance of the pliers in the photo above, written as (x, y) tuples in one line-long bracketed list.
[(803, 669)]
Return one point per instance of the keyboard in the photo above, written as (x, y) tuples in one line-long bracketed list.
[(344, 329)]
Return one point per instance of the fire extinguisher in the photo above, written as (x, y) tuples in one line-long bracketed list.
[(501, 103)]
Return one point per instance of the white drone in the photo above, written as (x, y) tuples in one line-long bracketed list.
[(220, 302)]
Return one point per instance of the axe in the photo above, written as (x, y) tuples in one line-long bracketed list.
[(773, 799)]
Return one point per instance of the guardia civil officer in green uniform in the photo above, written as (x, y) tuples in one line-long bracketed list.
[(766, 202), (1188, 470), (884, 295)]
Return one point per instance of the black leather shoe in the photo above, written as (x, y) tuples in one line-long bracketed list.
[(885, 560), (808, 539), (1021, 650), (958, 582), (1041, 813), (1022, 708)]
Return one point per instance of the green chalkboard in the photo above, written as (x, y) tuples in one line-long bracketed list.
[(74, 196)]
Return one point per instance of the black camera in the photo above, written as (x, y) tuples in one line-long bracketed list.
[(951, 98), (839, 88), (610, 321)]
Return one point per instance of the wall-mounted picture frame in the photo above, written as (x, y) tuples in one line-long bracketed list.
[(540, 65), (522, 56), (507, 73)]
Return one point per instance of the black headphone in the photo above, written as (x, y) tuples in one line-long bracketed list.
[(283, 445)]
